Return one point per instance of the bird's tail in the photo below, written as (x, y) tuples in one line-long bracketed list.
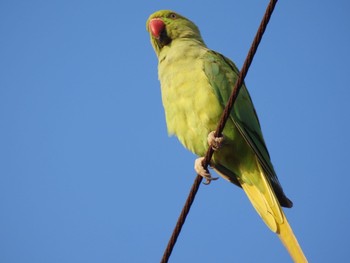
[(285, 233), (264, 200)]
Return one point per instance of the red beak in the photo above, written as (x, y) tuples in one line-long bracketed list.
[(156, 27)]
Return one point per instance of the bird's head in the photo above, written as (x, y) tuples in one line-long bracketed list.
[(165, 26)]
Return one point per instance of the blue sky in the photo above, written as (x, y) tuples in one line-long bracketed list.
[(88, 172)]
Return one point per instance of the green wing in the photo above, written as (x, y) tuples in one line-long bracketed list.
[(222, 75)]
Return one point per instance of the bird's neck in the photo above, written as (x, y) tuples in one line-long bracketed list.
[(182, 48)]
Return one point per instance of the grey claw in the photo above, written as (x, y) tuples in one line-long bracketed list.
[(215, 142), (202, 171), (208, 180)]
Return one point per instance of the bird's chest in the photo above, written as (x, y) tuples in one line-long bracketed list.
[(190, 105)]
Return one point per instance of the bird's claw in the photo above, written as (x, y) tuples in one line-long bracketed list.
[(215, 142), (208, 180), (198, 167)]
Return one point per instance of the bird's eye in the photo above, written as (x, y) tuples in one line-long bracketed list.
[(173, 15)]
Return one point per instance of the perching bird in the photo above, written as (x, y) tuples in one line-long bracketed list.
[(196, 83)]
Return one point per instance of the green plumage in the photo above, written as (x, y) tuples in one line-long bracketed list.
[(196, 83)]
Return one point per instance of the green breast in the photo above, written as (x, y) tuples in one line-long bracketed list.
[(191, 107)]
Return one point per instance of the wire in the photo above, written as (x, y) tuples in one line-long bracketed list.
[(225, 115)]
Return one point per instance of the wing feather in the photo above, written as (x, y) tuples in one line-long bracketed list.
[(222, 74)]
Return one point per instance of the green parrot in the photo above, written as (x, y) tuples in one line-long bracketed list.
[(196, 83)]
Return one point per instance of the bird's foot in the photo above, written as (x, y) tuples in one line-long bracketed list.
[(200, 170), (215, 142)]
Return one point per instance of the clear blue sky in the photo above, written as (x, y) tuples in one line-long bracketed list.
[(88, 172)]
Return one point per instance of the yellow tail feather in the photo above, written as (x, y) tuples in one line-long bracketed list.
[(264, 200), (285, 233)]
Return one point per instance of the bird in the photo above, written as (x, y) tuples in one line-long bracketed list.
[(196, 83)]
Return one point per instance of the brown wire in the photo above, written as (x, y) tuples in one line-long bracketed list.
[(219, 129)]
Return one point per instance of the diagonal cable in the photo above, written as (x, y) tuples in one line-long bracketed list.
[(219, 129)]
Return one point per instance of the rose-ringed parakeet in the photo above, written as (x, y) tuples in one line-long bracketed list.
[(196, 83)]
